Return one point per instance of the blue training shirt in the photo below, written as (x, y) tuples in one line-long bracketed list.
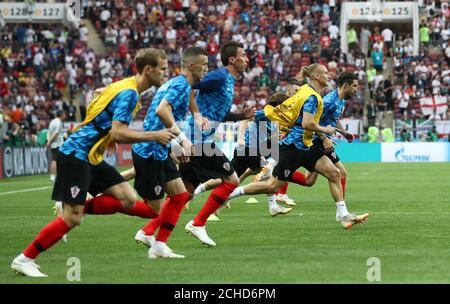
[(214, 100), (176, 91), (121, 108), (253, 136), (296, 135), (332, 109)]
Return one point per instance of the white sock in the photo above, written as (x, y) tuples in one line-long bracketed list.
[(200, 188), (272, 162), (237, 192), (52, 177), (159, 246), (24, 258), (341, 209), (271, 199)]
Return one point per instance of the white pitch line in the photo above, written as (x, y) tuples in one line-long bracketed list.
[(26, 190)]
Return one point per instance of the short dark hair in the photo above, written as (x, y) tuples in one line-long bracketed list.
[(59, 113), (346, 77), (190, 52), (277, 99), (148, 56), (228, 50)]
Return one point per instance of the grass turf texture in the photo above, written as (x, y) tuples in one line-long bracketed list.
[(407, 230)]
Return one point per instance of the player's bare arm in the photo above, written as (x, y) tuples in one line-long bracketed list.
[(247, 113), (328, 143), (243, 124), (120, 133), (349, 137), (164, 112), (309, 124)]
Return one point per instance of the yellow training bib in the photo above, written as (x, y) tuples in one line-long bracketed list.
[(98, 104), (287, 113)]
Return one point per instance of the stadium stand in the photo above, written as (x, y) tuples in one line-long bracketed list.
[(46, 67)]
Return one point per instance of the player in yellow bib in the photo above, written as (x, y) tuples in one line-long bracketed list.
[(302, 113), (81, 168)]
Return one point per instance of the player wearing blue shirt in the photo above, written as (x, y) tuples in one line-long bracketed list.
[(176, 92), (214, 100), (294, 150), (254, 146), (251, 155), (81, 168), (156, 172), (333, 107)]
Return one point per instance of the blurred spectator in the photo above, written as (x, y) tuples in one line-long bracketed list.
[(41, 136), (388, 91), (441, 105), (15, 137), (70, 111), (377, 58), (371, 112), (424, 32), (212, 49), (55, 139), (334, 31), (370, 74), (388, 39), (405, 135), (378, 81), (387, 135), (365, 135), (352, 39), (402, 99), (432, 135), (17, 114), (380, 99), (373, 134)]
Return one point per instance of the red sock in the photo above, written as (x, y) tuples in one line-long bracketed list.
[(104, 204), (343, 185), (141, 209), (47, 237), (299, 178), (216, 199), (151, 226), (170, 215), (283, 189), (154, 224)]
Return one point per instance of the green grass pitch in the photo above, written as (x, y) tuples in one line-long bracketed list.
[(408, 231)]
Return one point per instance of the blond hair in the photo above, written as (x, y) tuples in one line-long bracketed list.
[(306, 72)]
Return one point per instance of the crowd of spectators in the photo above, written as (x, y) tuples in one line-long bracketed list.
[(45, 68), (417, 85), (48, 67), (279, 37), (42, 68)]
